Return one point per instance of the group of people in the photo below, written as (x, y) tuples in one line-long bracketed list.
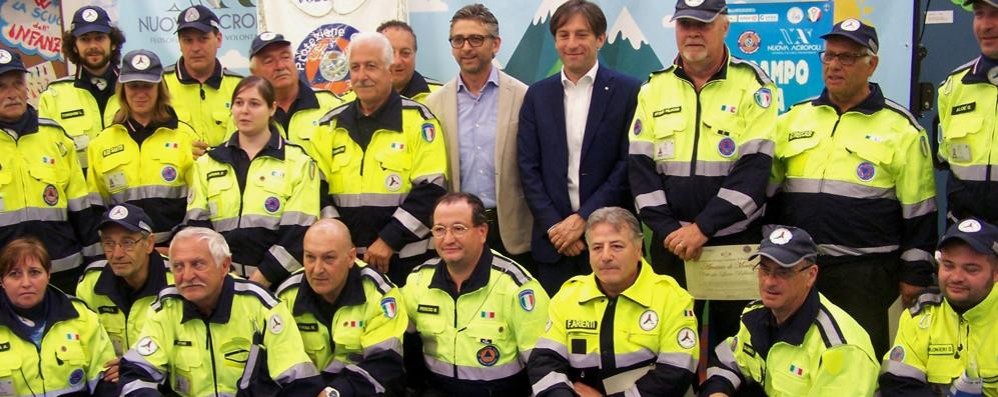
[(230, 235)]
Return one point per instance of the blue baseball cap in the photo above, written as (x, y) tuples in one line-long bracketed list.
[(10, 61), (90, 19), (128, 216), (859, 32), (705, 11), (197, 17), (979, 235), (787, 245)]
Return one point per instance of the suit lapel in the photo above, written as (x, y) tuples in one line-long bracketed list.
[(502, 121), (602, 92), (453, 139)]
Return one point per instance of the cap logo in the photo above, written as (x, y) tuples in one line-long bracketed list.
[(992, 76), (5, 57), (850, 25), (192, 15), (141, 62), (118, 213), (969, 226), (267, 36), (89, 15), (780, 236), (693, 3)]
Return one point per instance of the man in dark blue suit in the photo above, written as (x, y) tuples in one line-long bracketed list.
[(572, 143)]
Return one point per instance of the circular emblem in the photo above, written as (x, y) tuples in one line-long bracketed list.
[(850, 25), (267, 36), (141, 62), (686, 338), (969, 226), (393, 182), (275, 324), (76, 376), (146, 346), (5, 57), (322, 57), (119, 212), (748, 42), (50, 195), (648, 320), (993, 75), (726, 147), (191, 15), (693, 3), (865, 171), (169, 173), (897, 354), (89, 15), (780, 236), (637, 127), (272, 204), (795, 15), (488, 355)]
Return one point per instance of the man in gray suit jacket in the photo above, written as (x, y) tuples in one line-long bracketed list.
[(479, 110)]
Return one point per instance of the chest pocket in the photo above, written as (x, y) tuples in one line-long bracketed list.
[(71, 353), (398, 161), (6, 173), (314, 338), (10, 368), (963, 126), (871, 160), (795, 155), (583, 348), (347, 338), (720, 135), (273, 182), (666, 130), (961, 142)]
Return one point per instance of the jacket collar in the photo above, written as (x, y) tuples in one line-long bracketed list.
[(417, 85), (721, 73), (117, 290), (60, 308), (984, 311), (310, 302), (639, 292), (214, 81), (274, 147), (388, 117), (765, 332), (26, 125), (83, 78), (873, 103), (978, 73), (306, 99), (479, 276), (223, 307), (134, 127)]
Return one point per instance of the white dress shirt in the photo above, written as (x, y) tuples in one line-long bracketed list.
[(577, 99)]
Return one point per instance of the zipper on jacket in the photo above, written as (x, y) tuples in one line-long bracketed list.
[(211, 353)]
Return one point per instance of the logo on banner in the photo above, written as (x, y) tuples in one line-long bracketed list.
[(813, 14), (795, 15), (749, 42), (322, 56)]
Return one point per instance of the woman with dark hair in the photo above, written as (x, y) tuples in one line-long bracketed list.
[(257, 190), (52, 344), (145, 158)]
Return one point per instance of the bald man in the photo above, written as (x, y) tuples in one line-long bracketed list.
[(337, 294)]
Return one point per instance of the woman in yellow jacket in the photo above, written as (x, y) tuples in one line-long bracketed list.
[(50, 343), (145, 158)]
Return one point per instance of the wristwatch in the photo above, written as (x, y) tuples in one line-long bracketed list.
[(331, 392)]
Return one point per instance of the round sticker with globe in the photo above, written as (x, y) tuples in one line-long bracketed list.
[(5, 57), (865, 171), (272, 204)]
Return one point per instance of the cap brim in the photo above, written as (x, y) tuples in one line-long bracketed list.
[(782, 259), (5, 69), (91, 28), (203, 27), (146, 77), (697, 15), (974, 244), (284, 42)]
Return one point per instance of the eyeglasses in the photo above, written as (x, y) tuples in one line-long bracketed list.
[(439, 231), (126, 244), (780, 272), (476, 40), (845, 58)]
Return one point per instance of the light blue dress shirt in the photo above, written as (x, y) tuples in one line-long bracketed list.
[(476, 124)]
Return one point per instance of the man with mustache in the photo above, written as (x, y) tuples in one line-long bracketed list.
[(202, 335), (792, 342), (622, 330), (42, 190), (299, 106), (384, 159), (701, 150), (854, 169), (200, 87), (967, 120), (406, 80), (946, 342), (85, 104), (475, 314)]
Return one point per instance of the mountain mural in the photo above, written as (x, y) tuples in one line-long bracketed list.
[(626, 49)]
